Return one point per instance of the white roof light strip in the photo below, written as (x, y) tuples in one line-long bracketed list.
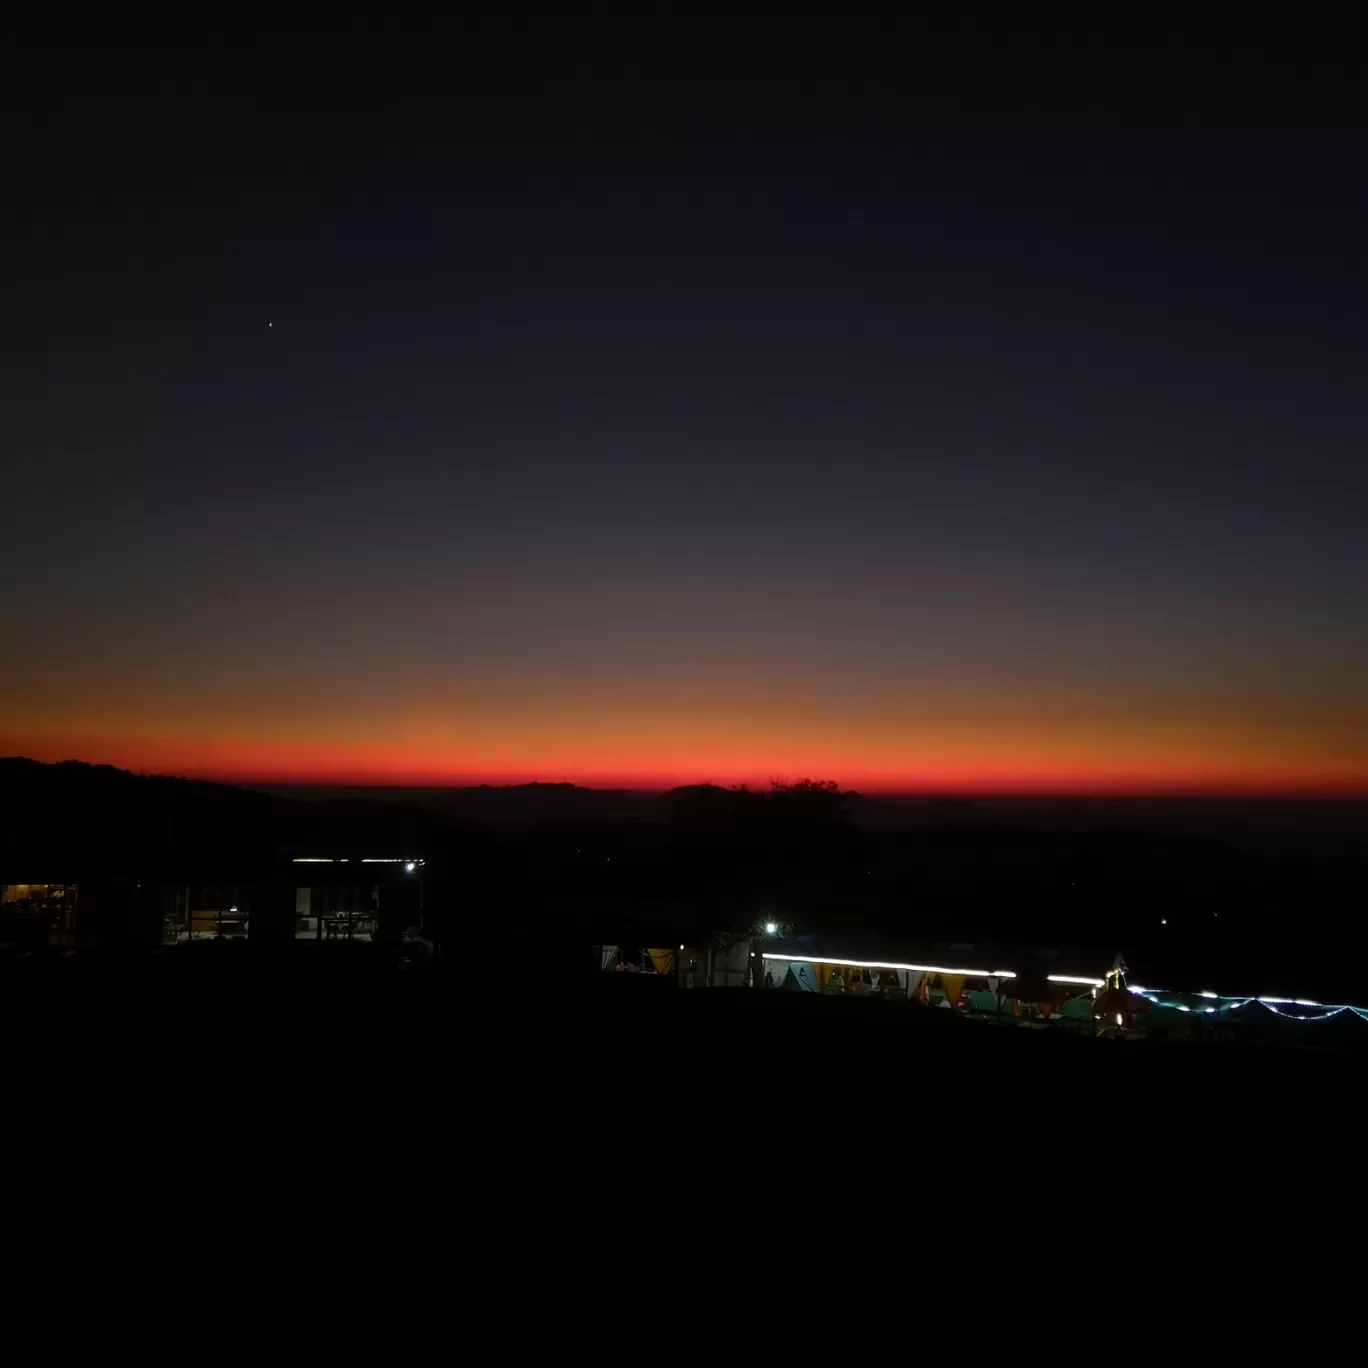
[(886, 964)]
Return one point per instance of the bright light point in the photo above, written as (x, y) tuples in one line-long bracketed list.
[(1163, 921), (410, 866), (232, 909), (770, 928)]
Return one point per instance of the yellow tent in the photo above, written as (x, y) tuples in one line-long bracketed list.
[(823, 972), (664, 960)]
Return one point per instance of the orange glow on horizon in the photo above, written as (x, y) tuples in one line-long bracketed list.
[(643, 740), (1020, 770)]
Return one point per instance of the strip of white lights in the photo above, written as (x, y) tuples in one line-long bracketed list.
[(1075, 978), (1326, 1011), (884, 964), (1272, 1003), (1296, 1016), (379, 859)]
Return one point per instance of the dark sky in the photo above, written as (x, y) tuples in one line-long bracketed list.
[(653, 405)]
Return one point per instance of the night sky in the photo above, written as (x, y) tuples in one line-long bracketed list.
[(629, 411)]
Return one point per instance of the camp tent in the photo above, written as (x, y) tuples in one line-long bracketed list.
[(732, 964), (911, 982), (800, 979), (662, 958)]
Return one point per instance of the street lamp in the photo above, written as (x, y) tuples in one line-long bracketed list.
[(770, 928)]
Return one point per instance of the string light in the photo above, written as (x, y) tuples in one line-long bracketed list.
[(1274, 1005), (1325, 1014), (1295, 1016)]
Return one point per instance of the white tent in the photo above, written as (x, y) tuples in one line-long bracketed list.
[(800, 978)]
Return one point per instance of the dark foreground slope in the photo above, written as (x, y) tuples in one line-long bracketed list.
[(327, 1036), (232, 1133)]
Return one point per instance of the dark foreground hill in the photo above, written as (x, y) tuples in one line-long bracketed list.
[(330, 1124), (323, 1072)]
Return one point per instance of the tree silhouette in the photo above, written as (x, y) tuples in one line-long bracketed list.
[(746, 856)]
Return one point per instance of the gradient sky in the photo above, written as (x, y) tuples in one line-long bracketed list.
[(577, 417)]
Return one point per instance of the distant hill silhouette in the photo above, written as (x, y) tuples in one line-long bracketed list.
[(513, 808), (60, 820), (1230, 894)]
